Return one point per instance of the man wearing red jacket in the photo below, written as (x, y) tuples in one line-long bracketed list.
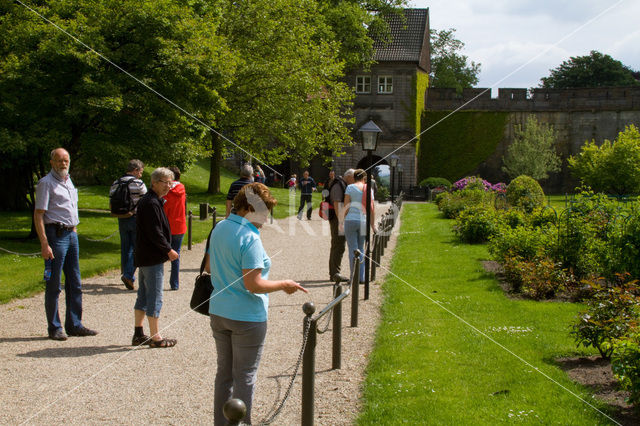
[(175, 209)]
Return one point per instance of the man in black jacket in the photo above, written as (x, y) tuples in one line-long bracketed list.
[(153, 248)]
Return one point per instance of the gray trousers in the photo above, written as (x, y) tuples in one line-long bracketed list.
[(239, 346), (337, 248)]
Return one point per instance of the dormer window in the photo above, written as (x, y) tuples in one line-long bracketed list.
[(363, 84), (385, 84)]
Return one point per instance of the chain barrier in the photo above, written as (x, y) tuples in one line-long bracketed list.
[(101, 239), (270, 419), (20, 254)]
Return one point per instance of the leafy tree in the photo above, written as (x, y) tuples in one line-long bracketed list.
[(532, 151), (285, 100), (56, 92), (593, 70), (613, 167), (352, 25), (449, 68)]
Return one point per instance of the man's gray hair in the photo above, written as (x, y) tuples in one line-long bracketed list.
[(161, 173), (246, 171), (134, 165), (348, 173)]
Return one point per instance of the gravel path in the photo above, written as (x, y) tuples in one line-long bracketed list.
[(102, 379)]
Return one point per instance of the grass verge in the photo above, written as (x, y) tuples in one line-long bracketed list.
[(21, 276), (429, 367)]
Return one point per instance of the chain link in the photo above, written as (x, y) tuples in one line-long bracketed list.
[(278, 410), (101, 239), (20, 254)]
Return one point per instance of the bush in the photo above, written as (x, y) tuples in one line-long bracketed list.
[(537, 279), (625, 364), (523, 242), (525, 193), (512, 218), (624, 255), (434, 182), (451, 204), (382, 194), (476, 224), (471, 182), (610, 314)]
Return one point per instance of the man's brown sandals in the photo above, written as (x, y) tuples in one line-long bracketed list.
[(164, 343)]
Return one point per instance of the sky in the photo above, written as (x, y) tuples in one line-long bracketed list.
[(517, 42)]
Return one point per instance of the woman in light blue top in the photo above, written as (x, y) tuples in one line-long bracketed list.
[(355, 221), (238, 306)]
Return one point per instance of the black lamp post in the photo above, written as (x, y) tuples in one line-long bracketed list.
[(393, 159), (370, 132), (400, 170)]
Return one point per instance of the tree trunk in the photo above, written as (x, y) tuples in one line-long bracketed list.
[(216, 159)]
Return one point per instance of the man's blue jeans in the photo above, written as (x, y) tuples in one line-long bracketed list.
[(127, 229), (66, 254), (174, 279)]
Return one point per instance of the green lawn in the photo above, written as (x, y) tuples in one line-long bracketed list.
[(429, 367), (21, 276)]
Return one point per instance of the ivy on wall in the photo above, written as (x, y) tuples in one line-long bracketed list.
[(421, 83), (456, 146)]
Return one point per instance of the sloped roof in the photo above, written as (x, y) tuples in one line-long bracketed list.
[(410, 39)]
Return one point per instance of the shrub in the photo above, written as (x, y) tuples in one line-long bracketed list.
[(512, 218), (524, 242), (452, 204), (475, 224), (525, 193), (471, 182), (535, 278), (434, 182), (624, 255), (625, 364), (382, 194), (543, 217), (610, 314), (542, 278)]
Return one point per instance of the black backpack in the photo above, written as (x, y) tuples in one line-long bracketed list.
[(120, 200)]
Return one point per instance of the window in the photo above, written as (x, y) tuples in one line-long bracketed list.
[(385, 84), (363, 84)]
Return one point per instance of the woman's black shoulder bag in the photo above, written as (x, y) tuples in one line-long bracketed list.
[(203, 287)]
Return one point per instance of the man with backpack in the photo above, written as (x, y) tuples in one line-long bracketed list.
[(337, 189), (123, 199)]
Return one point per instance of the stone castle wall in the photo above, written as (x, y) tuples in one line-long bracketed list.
[(577, 115)]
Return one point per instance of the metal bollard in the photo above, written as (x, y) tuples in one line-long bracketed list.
[(336, 358), (234, 411), (204, 211), (355, 288), (376, 247), (189, 227), (214, 215), (308, 366)]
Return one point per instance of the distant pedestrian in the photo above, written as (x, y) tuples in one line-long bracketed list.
[(56, 218), (125, 194), (291, 183), (307, 187), (258, 175), (153, 248), (175, 209), (246, 177)]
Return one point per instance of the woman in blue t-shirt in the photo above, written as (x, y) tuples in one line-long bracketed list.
[(238, 306), (355, 220)]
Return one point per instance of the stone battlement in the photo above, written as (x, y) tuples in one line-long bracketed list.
[(588, 99)]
